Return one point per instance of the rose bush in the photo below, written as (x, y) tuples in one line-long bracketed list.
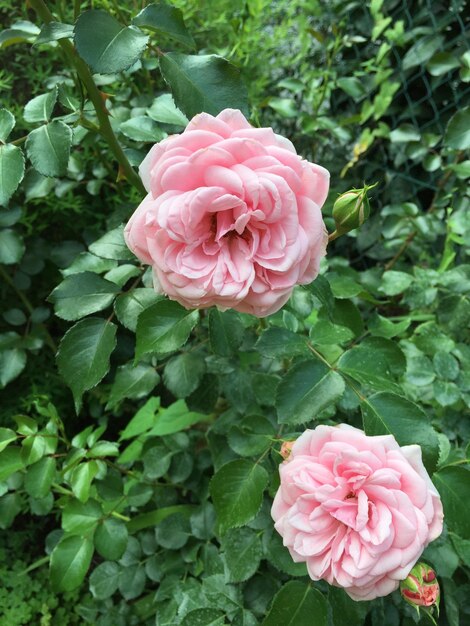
[(359, 510), (232, 217)]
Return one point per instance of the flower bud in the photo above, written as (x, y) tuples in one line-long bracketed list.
[(420, 588), (351, 209), (286, 448)]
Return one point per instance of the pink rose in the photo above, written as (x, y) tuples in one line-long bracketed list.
[(232, 217), (358, 510)]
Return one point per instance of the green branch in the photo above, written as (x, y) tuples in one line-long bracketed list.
[(96, 97)]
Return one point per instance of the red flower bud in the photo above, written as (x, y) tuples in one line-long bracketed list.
[(421, 589)]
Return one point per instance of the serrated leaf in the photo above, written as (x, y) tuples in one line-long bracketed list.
[(175, 418), (83, 356), (306, 390), (458, 130), (39, 477), (81, 294), (142, 128), (453, 484), (203, 83), (69, 563), (164, 327), (81, 479), (105, 44), (183, 373), (40, 108), (226, 332), (129, 305), (386, 413), (11, 246), (48, 148), (12, 363), (7, 123), (280, 342), (11, 171), (242, 554), (237, 492), (143, 420), (132, 382), (164, 110), (112, 246), (104, 580), (203, 617), (111, 539), (79, 518), (53, 32), (295, 604), (164, 19)]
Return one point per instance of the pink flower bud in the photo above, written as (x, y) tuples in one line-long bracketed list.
[(286, 449), (420, 588)]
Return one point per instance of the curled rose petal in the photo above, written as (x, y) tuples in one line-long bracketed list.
[(358, 510), (232, 217)]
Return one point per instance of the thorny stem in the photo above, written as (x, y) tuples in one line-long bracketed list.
[(96, 97)]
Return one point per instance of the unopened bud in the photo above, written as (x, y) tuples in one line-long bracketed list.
[(421, 589), (351, 209), (286, 449)]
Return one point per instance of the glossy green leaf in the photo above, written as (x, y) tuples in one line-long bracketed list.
[(203, 617), (281, 343), (7, 123), (295, 605), (10, 462), (237, 492), (48, 148), (69, 563), (242, 553), (80, 294), (12, 363), (132, 382), (453, 484), (164, 110), (79, 518), (387, 413), (143, 420), (129, 305), (164, 19), (306, 390), (142, 128), (183, 373), (164, 327), (105, 44), (83, 356), (112, 246), (11, 172), (104, 580), (458, 130), (40, 476), (206, 83), (40, 108), (81, 478), (54, 31), (175, 418), (111, 538), (226, 332)]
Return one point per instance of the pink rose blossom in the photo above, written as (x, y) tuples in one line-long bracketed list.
[(232, 217), (358, 510)]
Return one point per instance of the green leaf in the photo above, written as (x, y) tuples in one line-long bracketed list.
[(12, 363), (175, 418), (81, 294), (280, 342), (132, 382), (326, 333), (53, 32), (226, 332), (11, 172), (7, 123), (173, 532), (353, 86), (83, 356), (295, 605), (69, 563), (164, 327), (112, 246), (394, 282), (441, 63), (251, 435), (104, 580), (422, 51), (206, 83), (142, 128), (105, 44), (39, 478), (152, 518), (458, 130), (280, 557), (143, 420), (10, 505), (164, 110), (6, 437), (321, 289), (453, 484), (203, 617), (307, 389), (40, 108), (81, 479), (11, 247), (237, 492), (374, 362), (111, 539), (164, 19), (87, 262), (21, 31), (79, 518), (387, 413), (48, 148), (129, 305), (242, 553), (10, 462), (183, 373), (346, 611)]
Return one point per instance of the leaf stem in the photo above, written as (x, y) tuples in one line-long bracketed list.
[(96, 97)]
